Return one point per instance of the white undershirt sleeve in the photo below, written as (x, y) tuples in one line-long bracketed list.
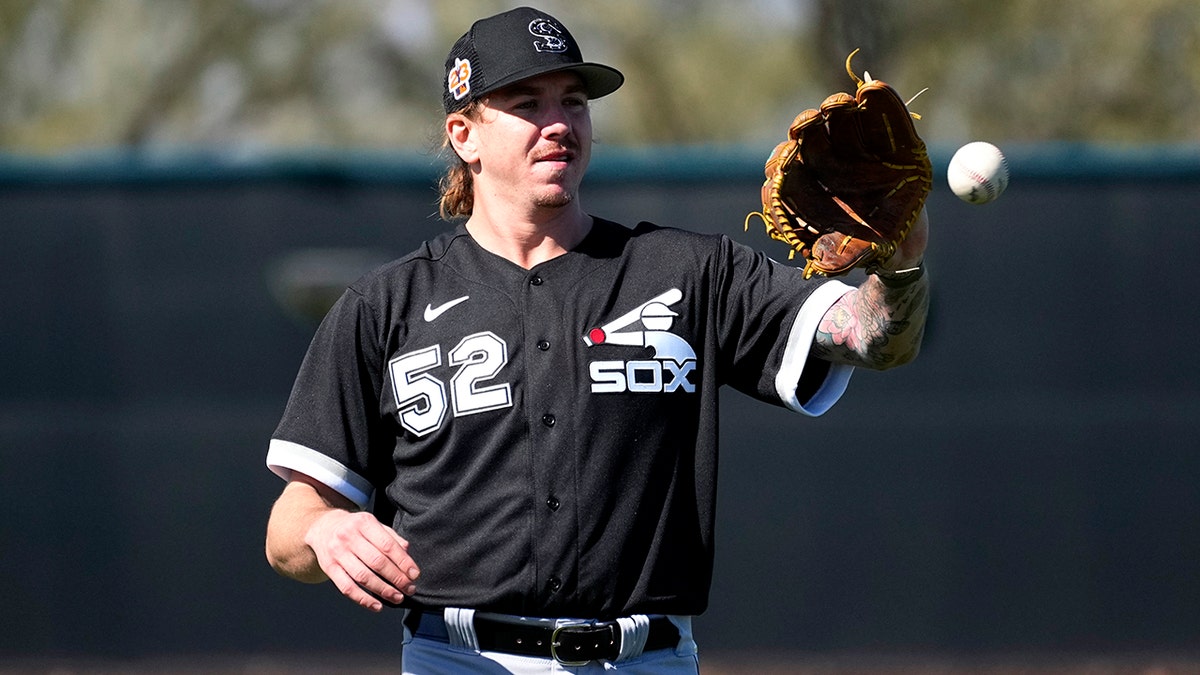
[(284, 457), (796, 355)]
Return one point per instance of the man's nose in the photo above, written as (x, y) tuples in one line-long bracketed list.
[(557, 122)]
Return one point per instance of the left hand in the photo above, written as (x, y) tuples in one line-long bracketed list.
[(911, 251)]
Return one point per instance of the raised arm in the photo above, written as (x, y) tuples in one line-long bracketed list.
[(879, 325)]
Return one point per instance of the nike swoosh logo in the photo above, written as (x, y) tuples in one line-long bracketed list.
[(432, 312)]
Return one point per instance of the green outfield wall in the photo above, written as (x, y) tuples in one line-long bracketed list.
[(1031, 484)]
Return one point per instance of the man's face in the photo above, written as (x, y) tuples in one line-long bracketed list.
[(533, 141)]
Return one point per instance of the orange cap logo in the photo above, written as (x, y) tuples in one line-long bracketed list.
[(459, 81)]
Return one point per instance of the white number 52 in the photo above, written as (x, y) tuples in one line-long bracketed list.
[(421, 397)]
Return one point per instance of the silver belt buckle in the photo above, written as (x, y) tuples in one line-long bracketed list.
[(555, 644)]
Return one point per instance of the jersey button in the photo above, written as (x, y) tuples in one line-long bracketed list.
[(535, 280), (548, 419), (543, 345), (553, 503), (554, 583)]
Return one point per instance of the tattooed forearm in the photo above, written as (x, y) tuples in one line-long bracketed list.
[(875, 326)]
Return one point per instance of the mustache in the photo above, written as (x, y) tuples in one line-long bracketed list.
[(562, 150)]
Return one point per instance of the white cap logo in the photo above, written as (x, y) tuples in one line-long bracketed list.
[(549, 36)]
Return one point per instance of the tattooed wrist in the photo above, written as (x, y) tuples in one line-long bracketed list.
[(877, 325), (900, 278)]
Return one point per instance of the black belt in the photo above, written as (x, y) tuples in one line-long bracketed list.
[(569, 645)]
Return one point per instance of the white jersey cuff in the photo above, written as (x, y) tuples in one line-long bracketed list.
[(284, 457), (796, 355)]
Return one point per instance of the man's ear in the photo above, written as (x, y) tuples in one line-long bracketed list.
[(461, 132)]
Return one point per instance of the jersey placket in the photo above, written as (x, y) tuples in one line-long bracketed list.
[(552, 442)]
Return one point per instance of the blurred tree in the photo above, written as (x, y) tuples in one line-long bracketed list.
[(846, 25), (1027, 70), (275, 74)]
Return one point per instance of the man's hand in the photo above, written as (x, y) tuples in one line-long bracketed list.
[(365, 559), (315, 535), (911, 251)]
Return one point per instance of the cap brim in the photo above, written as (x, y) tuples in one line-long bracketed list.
[(598, 79)]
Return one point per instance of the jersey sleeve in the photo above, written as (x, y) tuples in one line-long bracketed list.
[(769, 316), (331, 429), (804, 384)]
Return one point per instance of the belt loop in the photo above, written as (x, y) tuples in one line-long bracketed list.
[(460, 625), (634, 631), (687, 644), (408, 633)]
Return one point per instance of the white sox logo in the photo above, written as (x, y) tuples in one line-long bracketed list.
[(674, 358), (549, 34)]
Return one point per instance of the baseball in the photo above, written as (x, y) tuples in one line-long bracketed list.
[(978, 173)]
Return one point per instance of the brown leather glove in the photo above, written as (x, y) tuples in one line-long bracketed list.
[(846, 187)]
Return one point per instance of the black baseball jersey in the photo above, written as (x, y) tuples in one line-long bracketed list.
[(546, 439)]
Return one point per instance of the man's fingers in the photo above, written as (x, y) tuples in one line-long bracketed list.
[(370, 580), (367, 576), (385, 568), (353, 590), (386, 554), (366, 560), (390, 570)]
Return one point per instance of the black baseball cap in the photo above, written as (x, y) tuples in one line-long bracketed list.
[(512, 46)]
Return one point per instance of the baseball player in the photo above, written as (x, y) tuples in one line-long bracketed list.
[(511, 432)]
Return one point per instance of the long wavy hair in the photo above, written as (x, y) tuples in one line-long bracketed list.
[(456, 188)]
